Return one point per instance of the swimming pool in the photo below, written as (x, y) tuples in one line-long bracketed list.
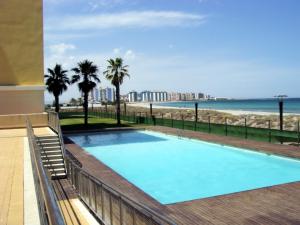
[(172, 169)]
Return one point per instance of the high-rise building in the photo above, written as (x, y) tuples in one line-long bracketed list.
[(175, 96), (94, 95), (200, 96), (145, 96), (107, 95), (133, 96)]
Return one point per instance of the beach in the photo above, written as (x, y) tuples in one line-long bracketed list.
[(233, 117)]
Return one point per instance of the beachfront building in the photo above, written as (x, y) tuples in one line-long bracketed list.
[(94, 95), (200, 96), (146, 96), (133, 96), (153, 96), (175, 96), (107, 94), (21, 57)]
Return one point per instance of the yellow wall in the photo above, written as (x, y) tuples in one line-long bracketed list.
[(21, 57), (21, 42)]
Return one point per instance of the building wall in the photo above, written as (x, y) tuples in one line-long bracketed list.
[(21, 57)]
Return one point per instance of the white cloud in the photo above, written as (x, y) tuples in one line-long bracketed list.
[(129, 19), (95, 4), (116, 51), (59, 49), (129, 55)]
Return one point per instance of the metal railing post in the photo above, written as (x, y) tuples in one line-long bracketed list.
[(226, 128), (298, 130), (270, 135), (209, 127), (148, 216), (246, 129)]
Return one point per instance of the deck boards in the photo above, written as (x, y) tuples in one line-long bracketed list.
[(11, 173), (11, 185), (273, 205)]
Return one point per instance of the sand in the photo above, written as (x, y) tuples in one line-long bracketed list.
[(234, 117)]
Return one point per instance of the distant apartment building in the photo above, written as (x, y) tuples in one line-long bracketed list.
[(107, 94), (200, 96), (153, 96), (175, 96), (146, 96), (94, 95), (133, 96), (162, 96)]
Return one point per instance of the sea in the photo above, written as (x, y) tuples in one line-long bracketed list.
[(291, 105)]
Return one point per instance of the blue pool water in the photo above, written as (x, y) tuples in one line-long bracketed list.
[(172, 169)]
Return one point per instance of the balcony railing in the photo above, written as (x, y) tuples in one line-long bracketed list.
[(49, 210), (109, 205)]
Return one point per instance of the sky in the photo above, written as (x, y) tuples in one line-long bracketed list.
[(225, 48)]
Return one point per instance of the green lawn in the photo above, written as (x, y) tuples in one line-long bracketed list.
[(76, 122)]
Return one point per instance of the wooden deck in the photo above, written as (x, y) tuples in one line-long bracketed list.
[(273, 205), (12, 174), (73, 210), (12, 192)]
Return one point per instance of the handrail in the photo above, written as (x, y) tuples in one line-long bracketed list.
[(49, 210), (73, 164), (54, 124), (76, 174)]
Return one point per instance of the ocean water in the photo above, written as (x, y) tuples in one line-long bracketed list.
[(172, 169), (291, 105)]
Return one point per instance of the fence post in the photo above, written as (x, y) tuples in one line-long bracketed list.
[(162, 119), (172, 121), (125, 108), (182, 121), (209, 128), (196, 115), (246, 130), (270, 135), (298, 132), (226, 129), (150, 109), (146, 118), (106, 107), (140, 119)]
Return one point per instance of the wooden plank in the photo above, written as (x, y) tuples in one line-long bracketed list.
[(69, 202), (11, 185)]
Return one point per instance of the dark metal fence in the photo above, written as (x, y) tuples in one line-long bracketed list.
[(49, 210), (264, 131)]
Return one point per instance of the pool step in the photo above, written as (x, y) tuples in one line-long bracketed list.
[(52, 156)]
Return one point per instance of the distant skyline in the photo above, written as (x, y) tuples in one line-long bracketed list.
[(226, 48)]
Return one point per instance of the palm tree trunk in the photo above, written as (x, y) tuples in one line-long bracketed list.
[(118, 104), (85, 106), (56, 103)]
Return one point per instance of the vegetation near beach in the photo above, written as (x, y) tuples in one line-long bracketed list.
[(253, 120), (56, 83), (86, 75), (115, 73)]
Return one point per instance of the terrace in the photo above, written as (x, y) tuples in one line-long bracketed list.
[(93, 193)]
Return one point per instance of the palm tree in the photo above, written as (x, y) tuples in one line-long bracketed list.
[(56, 82), (115, 73), (86, 73)]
